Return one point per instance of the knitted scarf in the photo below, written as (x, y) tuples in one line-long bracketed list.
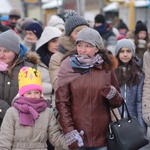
[(29, 109), (75, 66), (84, 61)]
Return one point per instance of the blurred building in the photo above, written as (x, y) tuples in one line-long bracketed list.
[(130, 11)]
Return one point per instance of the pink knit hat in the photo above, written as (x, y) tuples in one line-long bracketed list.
[(29, 79)]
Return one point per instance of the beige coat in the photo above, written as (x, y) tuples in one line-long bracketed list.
[(14, 136), (146, 89), (66, 44), (54, 67), (46, 83)]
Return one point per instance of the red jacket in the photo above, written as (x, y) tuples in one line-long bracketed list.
[(82, 107)]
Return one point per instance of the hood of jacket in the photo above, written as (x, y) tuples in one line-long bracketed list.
[(67, 43), (48, 34), (30, 56), (114, 63)]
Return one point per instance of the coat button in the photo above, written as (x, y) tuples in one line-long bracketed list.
[(8, 83), (0, 110)]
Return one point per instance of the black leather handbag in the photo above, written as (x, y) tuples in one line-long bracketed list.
[(125, 133)]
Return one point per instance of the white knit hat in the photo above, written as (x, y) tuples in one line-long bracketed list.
[(57, 22), (125, 43), (48, 34)]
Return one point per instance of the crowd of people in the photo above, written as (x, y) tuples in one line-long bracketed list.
[(58, 81)]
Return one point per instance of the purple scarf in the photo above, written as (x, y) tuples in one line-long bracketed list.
[(29, 109)]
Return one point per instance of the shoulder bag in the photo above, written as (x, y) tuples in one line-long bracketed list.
[(125, 133)]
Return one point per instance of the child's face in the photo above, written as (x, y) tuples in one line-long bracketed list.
[(32, 94), (142, 34), (125, 55)]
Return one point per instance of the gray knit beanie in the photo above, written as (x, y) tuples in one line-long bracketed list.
[(125, 43), (73, 20), (91, 36), (9, 39)]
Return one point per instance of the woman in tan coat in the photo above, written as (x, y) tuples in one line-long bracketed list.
[(73, 25)]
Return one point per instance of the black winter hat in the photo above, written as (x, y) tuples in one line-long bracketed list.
[(122, 25), (35, 28), (140, 26), (99, 18)]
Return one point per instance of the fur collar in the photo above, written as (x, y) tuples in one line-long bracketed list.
[(67, 43), (114, 62), (32, 57)]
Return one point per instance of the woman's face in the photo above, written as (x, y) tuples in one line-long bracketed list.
[(142, 35), (53, 45), (76, 30), (125, 55), (29, 35), (84, 48), (6, 55)]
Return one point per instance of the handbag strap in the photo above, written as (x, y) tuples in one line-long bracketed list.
[(124, 107)]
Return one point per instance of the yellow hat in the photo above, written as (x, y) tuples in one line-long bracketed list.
[(29, 79)]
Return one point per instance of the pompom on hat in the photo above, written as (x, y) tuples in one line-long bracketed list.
[(91, 36), (35, 28), (125, 43), (73, 20), (29, 79)]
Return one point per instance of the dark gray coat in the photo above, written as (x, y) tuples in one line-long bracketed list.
[(9, 86)]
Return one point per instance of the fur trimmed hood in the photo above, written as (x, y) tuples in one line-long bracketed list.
[(32, 57), (114, 62), (67, 43)]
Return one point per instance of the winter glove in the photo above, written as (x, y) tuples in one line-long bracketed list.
[(74, 136), (108, 91), (3, 66)]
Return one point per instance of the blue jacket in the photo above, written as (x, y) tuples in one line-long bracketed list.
[(133, 97)]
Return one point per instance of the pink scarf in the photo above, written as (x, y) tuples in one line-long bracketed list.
[(29, 109)]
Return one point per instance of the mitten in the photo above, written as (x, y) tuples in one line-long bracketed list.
[(74, 136), (108, 91), (3, 66), (79, 138)]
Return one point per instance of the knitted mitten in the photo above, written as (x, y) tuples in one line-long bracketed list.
[(74, 136), (108, 91)]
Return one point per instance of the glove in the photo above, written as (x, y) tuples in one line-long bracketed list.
[(108, 91), (79, 138), (3, 66), (74, 136)]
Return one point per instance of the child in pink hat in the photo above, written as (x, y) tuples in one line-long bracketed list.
[(29, 122)]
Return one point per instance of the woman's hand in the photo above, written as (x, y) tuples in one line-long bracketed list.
[(108, 91)]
